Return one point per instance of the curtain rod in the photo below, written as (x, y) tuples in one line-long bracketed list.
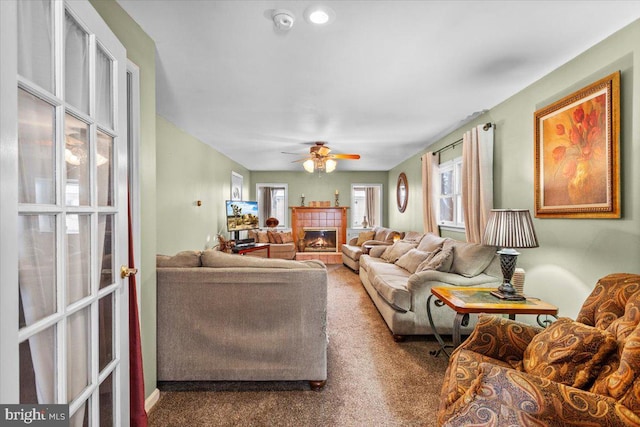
[(486, 127)]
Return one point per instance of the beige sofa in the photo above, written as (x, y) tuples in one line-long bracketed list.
[(399, 278), (284, 249), (225, 317), (354, 248)]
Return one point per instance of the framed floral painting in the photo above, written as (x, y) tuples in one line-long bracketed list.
[(577, 171)]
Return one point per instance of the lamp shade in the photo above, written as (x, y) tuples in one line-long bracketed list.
[(510, 228), (309, 166)]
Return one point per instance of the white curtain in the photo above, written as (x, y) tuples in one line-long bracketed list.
[(265, 203), (430, 184), (477, 180)]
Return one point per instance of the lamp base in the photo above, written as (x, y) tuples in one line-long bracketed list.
[(507, 297)]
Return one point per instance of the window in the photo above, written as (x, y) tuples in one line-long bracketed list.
[(366, 201), (450, 206), (273, 202)]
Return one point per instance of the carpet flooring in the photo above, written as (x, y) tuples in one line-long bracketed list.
[(372, 380)]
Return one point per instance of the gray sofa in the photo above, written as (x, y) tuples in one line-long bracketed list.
[(225, 317), (354, 248), (399, 279)]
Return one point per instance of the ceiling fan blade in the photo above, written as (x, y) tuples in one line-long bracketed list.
[(323, 150), (346, 156)]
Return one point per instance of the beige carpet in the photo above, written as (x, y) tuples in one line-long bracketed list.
[(372, 380)]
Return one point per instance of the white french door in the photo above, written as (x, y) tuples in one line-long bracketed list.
[(63, 130)]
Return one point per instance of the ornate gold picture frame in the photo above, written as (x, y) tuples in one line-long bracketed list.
[(577, 151)]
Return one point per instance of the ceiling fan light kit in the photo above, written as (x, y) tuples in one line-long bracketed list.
[(320, 160)]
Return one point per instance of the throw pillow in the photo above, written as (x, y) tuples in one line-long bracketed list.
[(287, 237), (272, 237), (568, 352), (395, 251), (412, 259), (262, 237), (278, 237), (440, 260), (364, 236), (430, 242), (469, 259)]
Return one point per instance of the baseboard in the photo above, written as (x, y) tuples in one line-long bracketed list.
[(151, 400)]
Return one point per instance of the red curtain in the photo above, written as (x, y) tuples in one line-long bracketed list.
[(137, 415)]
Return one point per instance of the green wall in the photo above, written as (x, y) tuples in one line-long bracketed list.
[(323, 187), (141, 50), (573, 253), (188, 171)]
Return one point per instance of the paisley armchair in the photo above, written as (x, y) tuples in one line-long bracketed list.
[(582, 372)]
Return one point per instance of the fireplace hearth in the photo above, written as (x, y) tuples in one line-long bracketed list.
[(320, 239)]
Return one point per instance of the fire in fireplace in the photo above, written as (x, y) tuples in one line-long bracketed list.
[(324, 239)]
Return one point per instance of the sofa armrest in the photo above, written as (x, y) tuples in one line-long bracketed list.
[(500, 338), (503, 396)]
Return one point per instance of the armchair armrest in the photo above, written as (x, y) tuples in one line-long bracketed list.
[(500, 338), (352, 241), (503, 396)]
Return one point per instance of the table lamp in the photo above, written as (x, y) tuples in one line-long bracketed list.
[(509, 229)]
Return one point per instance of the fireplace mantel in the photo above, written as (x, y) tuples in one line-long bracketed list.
[(330, 216)]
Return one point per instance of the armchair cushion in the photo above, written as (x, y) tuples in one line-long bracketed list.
[(500, 396), (568, 352)]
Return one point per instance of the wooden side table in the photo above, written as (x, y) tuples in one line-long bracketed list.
[(479, 300)]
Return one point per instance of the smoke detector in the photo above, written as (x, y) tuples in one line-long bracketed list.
[(283, 19)]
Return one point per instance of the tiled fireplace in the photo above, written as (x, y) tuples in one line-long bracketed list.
[(308, 223)]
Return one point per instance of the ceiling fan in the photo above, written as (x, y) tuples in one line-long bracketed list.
[(320, 158)]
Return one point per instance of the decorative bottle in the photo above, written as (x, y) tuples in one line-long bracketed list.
[(365, 224)]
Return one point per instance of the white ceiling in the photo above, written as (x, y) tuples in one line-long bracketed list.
[(383, 79)]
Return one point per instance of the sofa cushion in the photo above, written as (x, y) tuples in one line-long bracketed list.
[(430, 242), (181, 259), (440, 260), (393, 288), (568, 352), (363, 236), (217, 259), (395, 251), (469, 259), (412, 259)]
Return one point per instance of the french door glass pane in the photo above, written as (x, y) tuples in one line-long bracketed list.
[(104, 104), (36, 151), (37, 368), (37, 266), (76, 78), (76, 156), (106, 245), (106, 402), (78, 238), (105, 329), (35, 42), (78, 352), (104, 162), (81, 417)]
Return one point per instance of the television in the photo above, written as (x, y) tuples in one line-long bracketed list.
[(241, 215)]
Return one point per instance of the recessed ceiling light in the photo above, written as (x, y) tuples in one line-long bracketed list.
[(319, 15)]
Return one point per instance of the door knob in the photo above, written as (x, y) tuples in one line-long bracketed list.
[(126, 271)]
